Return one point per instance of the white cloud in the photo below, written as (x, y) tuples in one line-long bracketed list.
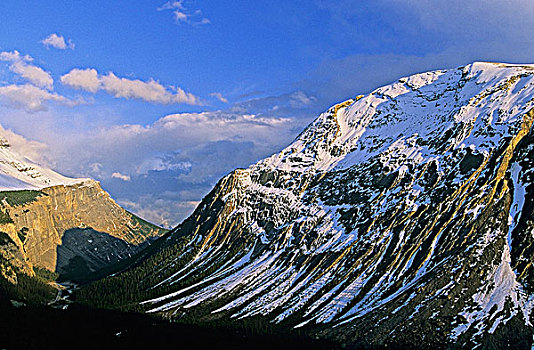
[(14, 56), (219, 97), (150, 91), (31, 98), (33, 74), (20, 65), (57, 41), (120, 176), (32, 150), (159, 163), (171, 5), (83, 79), (182, 14), (35, 95)]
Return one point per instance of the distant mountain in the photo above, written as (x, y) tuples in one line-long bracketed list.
[(62, 225), (402, 217), (19, 173)]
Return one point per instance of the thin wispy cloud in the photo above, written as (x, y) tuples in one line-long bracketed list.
[(57, 41), (120, 176), (183, 14), (150, 91), (219, 97)]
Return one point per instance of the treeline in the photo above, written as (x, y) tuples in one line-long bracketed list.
[(20, 197), (124, 290), (29, 290)]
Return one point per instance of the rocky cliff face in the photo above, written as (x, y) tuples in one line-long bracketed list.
[(399, 217), (74, 228)]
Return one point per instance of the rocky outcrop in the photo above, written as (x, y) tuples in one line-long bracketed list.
[(37, 221)]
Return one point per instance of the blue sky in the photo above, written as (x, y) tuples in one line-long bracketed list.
[(157, 100)]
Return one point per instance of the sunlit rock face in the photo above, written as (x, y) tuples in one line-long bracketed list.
[(402, 216), (39, 206)]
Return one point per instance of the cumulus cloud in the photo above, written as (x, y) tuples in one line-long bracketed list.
[(181, 155), (34, 95), (120, 176), (83, 79), (150, 91), (33, 74), (20, 65), (183, 14), (14, 56), (57, 41), (31, 98), (219, 97)]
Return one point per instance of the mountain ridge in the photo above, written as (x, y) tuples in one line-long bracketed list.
[(64, 225), (398, 217)]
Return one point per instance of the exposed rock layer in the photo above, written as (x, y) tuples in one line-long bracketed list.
[(39, 221)]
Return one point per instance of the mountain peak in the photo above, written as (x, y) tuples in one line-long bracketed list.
[(481, 97), (18, 172)]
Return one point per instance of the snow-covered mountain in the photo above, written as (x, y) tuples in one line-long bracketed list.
[(403, 216), (69, 226), (18, 172)]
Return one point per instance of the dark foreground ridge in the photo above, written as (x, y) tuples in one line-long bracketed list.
[(78, 327)]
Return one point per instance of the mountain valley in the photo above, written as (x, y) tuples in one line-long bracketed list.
[(397, 219)]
